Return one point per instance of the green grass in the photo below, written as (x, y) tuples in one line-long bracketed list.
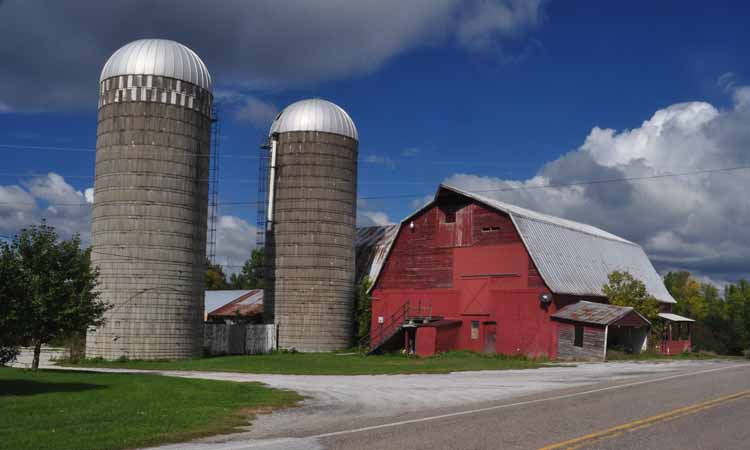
[(49, 409), (332, 363)]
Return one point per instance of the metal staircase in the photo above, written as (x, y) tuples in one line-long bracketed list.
[(408, 315)]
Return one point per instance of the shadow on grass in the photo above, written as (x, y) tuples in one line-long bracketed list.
[(31, 387)]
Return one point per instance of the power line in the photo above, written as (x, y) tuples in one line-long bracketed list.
[(577, 183), (508, 189)]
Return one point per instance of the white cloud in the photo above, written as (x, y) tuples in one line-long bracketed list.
[(47, 197), (410, 152), (483, 22), (5, 108), (251, 45), (369, 215), (235, 240), (379, 160), (257, 112), (699, 222)]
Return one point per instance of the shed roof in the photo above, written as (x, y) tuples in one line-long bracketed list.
[(595, 313), (572, 258), (247, 304), (215, 299), (674, 317)]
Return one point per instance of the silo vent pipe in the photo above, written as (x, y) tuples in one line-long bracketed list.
[(271, 184)]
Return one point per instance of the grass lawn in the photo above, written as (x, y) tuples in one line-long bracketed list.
[(50, 409), (333, 363)]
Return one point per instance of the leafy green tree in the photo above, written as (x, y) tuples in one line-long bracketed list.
[(214, 278), (11, 331), (689, 293), (251, 275), (625, 290), (737, 301), (362, 309), (58, 297)]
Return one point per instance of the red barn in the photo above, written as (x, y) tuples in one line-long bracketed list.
[(469, 272)]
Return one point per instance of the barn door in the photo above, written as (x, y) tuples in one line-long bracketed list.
[(490, 334)]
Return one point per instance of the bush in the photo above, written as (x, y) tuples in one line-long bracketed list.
[(8, 355)]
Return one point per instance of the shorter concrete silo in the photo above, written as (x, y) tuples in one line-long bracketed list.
[(311, 226)]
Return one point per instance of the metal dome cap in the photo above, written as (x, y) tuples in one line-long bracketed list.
[(315, 115), (159, 57)]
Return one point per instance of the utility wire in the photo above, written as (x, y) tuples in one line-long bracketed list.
[(508, 189)]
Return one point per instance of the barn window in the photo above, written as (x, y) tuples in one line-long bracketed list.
[(490, 229), (474, 329), (450, 217), (578, 338)]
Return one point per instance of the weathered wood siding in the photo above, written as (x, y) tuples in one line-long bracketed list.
[(415, 261), (594, 341)]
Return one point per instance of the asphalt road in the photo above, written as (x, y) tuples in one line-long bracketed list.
[(700, 410), (694, 405)]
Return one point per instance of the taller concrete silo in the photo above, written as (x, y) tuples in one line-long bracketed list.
[(148, 231), (311, 226)]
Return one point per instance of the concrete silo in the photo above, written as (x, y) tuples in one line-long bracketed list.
[(311, 226), (149, 216)]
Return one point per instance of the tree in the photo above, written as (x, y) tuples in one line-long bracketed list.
[(214, 278), (251, 275), (362, 309), (57, 295), (11, 333), (625, 290), (689, 293)]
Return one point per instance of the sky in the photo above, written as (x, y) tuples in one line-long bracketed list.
[(528, 101)]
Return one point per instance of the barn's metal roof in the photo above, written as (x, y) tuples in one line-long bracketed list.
[(315, 115), (159, 57), (595, 313), (576, 258), (372, 246), (674, 317)]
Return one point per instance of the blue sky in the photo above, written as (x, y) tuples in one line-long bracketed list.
[(482, 93)]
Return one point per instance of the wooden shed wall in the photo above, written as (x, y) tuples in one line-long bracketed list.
[(594, 342)]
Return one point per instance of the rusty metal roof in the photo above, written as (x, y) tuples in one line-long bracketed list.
[(594, 313), (372, 246), (575, 258), (250, 302)]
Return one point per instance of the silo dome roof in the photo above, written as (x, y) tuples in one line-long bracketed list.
[(315, 115), (159, 57)]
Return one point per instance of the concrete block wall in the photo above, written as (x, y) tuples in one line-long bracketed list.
[(310, 250), (149, 219)]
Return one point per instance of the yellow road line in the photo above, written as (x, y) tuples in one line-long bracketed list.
[(618, 430)]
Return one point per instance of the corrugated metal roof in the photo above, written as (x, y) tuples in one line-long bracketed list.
[(315, 115), (575, 258), (674, 317), (595, 313), (159, 57), (372, 246), (217, 299), (246, 304)]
